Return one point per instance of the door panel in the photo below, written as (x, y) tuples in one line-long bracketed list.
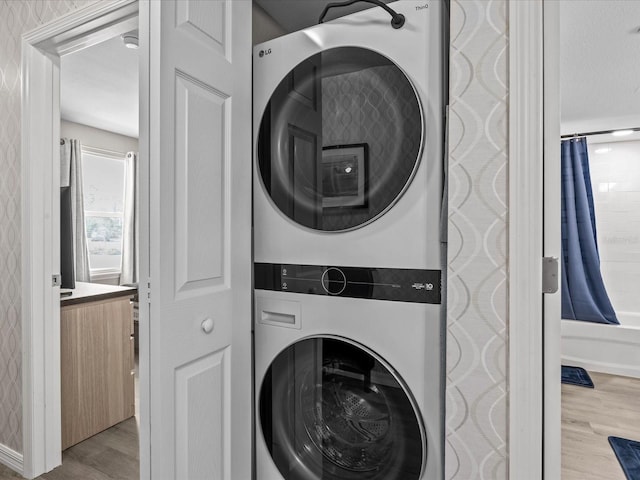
[(303, 144), (304, 91), (206, 378), (200, 244), (205, 22), (202, 217)]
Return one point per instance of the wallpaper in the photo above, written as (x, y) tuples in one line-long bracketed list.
[(375, 106), (16, 18), (476, 397)]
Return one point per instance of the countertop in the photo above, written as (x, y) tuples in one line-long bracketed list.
[(91, 292)]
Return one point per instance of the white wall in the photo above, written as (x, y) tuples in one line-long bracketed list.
[(264, 26), (94, 137), (615, 178)]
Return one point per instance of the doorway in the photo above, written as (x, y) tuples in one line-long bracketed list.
[(99, 154), (597, 94), (43, 50)]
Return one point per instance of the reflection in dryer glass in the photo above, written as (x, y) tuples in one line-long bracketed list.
[(330, 410), (340, 139)]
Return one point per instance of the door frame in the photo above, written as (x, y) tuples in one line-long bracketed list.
[(534, 232), (41, 383)]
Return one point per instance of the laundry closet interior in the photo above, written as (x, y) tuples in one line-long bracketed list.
[(348, 197)]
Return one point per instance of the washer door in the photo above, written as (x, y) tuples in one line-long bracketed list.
[(340, 139), (330, 409)]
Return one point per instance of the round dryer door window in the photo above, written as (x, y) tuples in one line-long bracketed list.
[(332, 410), (340, 139)]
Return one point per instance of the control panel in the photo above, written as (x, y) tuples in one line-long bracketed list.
[(395, 284)]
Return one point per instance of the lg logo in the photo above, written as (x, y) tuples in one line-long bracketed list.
[(262, 53)]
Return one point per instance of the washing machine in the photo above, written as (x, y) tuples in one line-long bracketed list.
[(348, 388), (347, 201)]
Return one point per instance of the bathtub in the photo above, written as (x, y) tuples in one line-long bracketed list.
[(603, 348)]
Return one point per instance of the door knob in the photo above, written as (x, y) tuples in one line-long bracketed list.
[(207, 325)]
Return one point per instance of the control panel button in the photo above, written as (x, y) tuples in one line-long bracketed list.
[(334, 281)]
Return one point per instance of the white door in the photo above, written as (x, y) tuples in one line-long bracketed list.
[(199, 194)]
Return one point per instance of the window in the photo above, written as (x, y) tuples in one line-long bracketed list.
[(103, 175)]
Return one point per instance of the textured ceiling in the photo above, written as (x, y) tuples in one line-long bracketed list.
[(99, 87), (599, 65), (600, 71)]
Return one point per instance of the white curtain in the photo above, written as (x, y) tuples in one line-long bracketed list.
[(129, 271), (71, 176)]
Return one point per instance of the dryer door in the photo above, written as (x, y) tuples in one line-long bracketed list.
[(340, 139), (330, 409)]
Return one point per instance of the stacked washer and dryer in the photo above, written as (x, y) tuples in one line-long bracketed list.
[(348, 186)]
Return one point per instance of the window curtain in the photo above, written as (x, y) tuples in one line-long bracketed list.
[(584, 296), (129, 270), (71, 176)]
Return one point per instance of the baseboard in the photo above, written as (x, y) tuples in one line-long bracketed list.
[(602, 367), (11, 459)]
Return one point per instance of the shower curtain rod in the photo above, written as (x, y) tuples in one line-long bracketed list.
[(602, 132)]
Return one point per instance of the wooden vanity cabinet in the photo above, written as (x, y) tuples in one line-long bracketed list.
[(97, 361)]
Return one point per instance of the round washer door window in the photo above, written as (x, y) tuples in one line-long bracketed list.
[(332, 410), (340, 139)]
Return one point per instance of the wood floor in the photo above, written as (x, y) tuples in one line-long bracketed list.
[(589, 416), (109, 455)]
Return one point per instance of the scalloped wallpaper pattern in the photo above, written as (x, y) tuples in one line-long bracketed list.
[(16, 18), (476, 437), (476, 417)]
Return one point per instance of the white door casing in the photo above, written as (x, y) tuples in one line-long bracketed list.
[(525, 241), (199, 217), (40, 72)]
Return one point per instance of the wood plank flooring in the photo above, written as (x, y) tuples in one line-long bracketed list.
[(109, 455), (589, 416)]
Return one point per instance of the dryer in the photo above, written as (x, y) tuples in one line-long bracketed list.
[(348, 130), (348, 134)]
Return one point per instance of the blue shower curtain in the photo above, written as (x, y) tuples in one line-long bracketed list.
[(584, 296)]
